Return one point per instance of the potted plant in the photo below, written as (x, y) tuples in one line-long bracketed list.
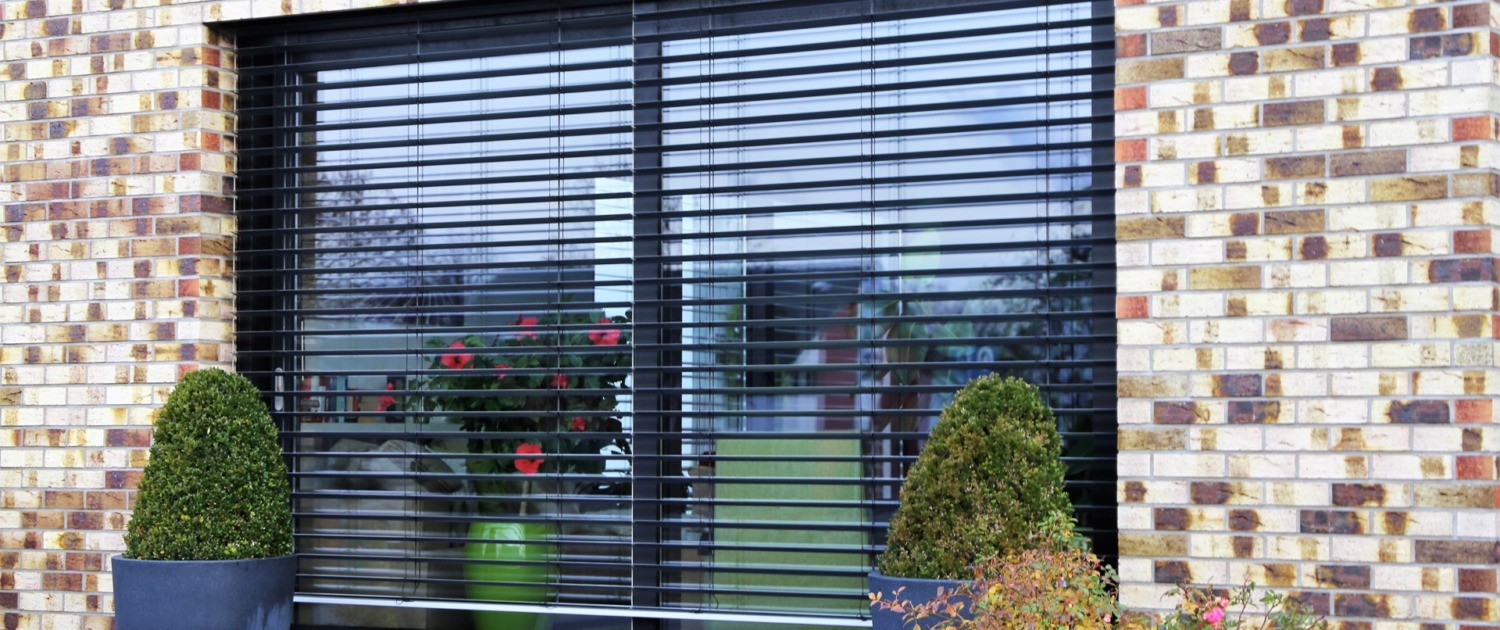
[(988, 475), (211, 537), (1054, 581), (534, 397)]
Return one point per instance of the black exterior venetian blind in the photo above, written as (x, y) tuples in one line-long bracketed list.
[(666, 294)]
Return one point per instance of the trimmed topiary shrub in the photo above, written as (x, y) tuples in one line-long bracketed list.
[(990, 474), (216, 486)]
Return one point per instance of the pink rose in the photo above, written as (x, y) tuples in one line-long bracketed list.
[(1214, 617)]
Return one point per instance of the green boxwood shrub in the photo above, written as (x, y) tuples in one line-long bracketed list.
[(990, 474), (215, 487)]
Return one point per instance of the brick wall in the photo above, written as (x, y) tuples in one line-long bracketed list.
[(1307, 290), (1307, 303)]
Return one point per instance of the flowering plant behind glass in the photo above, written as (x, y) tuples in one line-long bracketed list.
[(541, 396)]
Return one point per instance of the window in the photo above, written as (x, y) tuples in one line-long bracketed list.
[(661, 298)]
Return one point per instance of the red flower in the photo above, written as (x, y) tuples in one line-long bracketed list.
[(560, 381), (387, 401), (501, 369), (526, 321), (578, 424), (457, 361), (529, 466), (606, 337)]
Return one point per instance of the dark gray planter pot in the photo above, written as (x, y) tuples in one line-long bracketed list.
[(918, 591), (210, 594)]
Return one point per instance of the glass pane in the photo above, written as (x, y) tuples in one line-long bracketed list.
[(465, 335)]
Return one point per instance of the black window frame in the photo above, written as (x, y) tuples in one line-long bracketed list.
[(271, 44)]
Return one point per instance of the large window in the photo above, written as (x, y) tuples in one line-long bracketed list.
[(643, 310)]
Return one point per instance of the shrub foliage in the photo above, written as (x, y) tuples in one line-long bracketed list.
[(215, 487), (1053, 582), (989, 474)]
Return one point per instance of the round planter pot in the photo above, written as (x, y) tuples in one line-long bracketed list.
[(917, 591), (509, 567), (214, 594)]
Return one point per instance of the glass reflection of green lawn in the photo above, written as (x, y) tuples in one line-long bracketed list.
[(855, 561)]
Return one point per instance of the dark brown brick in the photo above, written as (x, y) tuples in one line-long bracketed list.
[(1242, 63), (62, 581), (1174, 412), (1210, 492), (1462, 270), (1292, 113), (1315, 30), (1388, 245), (1300, 167), (1313, 248), (1368, 163), (1433, 46), (1420, 412), (1386, 79), (1244, 520), (1329, 522), (1170, 572), (1253, 411), (1169, 519), (1358, 494), (1239, 10), (1343, 576), (1367, 328), (1237, 385), (1426, 20), (1207, 172), (1273, 33), (1244, 223), (63, 499), (1470, 15), (1242, 546), (1361, 605), (1304, 7), (85, 520), (1167, 15), (1458, 552), (1346, 54), (1476, 580), (1472, 242), (1471, 608), (1135, 492)]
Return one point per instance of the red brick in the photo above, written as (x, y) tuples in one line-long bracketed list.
[(1475, 467), (1136, 307), (1474, 128), (1473, 409), (1130, 150), (1128, 98)]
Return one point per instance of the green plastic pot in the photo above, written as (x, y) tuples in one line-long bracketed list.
[(510, 565)]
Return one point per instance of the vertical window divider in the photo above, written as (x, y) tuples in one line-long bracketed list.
[(647, 397)]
